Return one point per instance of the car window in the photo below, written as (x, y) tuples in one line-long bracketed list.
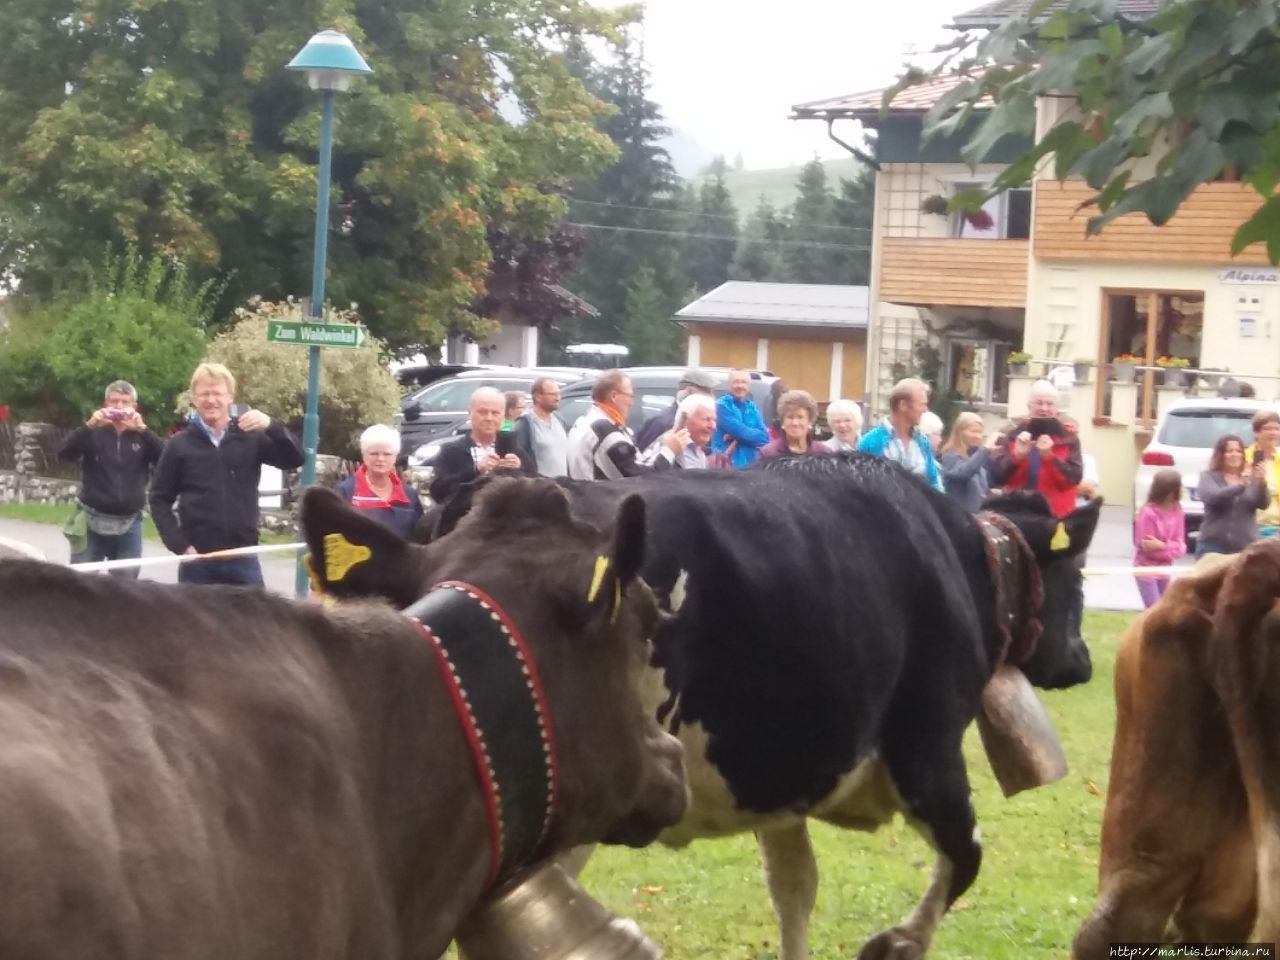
[(1202, 428), (455, 395)]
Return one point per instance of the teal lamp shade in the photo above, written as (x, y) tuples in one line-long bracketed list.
[(330, 60)]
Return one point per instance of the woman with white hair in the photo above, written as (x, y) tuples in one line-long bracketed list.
[(376, 489), (844, 417), (931, 427)]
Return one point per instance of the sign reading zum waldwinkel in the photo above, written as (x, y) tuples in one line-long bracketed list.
[(315, 334)]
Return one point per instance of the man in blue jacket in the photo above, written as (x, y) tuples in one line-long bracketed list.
[(898, 436), (740, 430)]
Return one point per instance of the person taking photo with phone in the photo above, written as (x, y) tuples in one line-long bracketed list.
[(483, 449), (116, 452), (1262, 455), (1232, 490)]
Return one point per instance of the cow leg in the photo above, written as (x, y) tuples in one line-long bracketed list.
[(935, 790), (791, 873)]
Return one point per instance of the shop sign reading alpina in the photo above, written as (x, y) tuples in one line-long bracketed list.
[(1251, 276)]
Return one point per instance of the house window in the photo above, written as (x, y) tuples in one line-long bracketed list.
[(977, 372), (1147, 324), (1009, 216)]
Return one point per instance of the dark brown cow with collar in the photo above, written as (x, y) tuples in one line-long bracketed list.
[(1191, 832), (212, 773)]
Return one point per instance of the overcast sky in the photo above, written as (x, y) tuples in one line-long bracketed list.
[(728, 77)]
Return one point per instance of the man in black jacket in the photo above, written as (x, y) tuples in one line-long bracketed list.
[(476, 453), (214, 466), (116, 453)]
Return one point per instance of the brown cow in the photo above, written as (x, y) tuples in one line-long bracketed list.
[(1193, 763), (211, 773)]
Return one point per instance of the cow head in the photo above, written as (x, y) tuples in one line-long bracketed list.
[(574, 592), (1060, 658)]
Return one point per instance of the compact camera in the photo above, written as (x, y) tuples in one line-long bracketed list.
[(117, 413)]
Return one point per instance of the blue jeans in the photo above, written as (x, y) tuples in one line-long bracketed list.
[(246, 571), (126, 546)]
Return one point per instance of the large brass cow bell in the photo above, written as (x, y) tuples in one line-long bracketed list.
[(546, 915), (1021, 743)]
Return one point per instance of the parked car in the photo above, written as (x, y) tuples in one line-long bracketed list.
[(1183, 440), (414, 376), (437, 410)]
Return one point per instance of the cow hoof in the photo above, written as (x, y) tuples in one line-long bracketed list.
[(891, 945)]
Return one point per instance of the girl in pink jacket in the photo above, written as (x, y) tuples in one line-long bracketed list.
[(1159, 533)]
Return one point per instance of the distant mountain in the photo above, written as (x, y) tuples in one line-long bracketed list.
[(688, 156), (779, 184)]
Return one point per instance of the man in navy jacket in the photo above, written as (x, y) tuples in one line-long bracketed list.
[(212, 469)]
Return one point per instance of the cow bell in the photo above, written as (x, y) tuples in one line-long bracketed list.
[(1018, 735), (546, 915)]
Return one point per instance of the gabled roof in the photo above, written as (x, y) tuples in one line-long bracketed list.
[(917, 99), (787, 304), (991, 15)]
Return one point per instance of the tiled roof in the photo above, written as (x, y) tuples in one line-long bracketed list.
[(991, 15), (793, 304), (912, 100)]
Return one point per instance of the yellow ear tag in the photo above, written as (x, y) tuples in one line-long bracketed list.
[(597, 578), (1060, 540), (340, 555), (617, 601)]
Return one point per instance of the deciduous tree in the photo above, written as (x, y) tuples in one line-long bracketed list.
[(174, 125), (1193, 89)]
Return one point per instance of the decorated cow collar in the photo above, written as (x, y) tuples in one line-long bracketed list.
[(498, 696), (1019, 588)]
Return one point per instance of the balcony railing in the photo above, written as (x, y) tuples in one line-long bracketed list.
[(953, 271)]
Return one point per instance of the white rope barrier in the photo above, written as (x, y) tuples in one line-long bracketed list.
[(102, 565)]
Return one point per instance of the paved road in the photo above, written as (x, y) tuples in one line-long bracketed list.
[(277, 569), (1112, 546)]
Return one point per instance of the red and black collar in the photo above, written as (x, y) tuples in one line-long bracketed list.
[(498, 696), (1019, 588)]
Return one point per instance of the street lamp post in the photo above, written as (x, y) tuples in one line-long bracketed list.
[(330, 60)]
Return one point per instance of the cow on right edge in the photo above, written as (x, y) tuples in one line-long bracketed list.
[(1191, 831)]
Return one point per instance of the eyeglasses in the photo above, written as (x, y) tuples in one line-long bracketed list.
[(621, 394)]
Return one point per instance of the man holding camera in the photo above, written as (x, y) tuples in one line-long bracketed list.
[(1040, 453), (116, 453)]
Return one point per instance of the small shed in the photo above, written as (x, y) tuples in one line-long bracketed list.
[(812, 335)]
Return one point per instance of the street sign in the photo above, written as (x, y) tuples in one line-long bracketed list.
[(315, 334)]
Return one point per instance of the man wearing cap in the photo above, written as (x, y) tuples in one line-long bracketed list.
[(692, 381)]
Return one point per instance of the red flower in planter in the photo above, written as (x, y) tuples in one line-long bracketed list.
[(980, 220)]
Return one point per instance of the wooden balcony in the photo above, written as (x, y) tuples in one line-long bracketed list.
[(953, 271), (1200, 232)]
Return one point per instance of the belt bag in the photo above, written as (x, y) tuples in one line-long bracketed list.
[(109, 524)]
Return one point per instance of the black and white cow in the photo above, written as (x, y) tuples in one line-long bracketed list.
[(833, 623)]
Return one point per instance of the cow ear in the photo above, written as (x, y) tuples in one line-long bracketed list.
[(629, 538), (1075, 532), (350, 555), (612, 573)]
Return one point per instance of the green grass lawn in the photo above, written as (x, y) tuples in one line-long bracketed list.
[(1039, 870), (58, 513)]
